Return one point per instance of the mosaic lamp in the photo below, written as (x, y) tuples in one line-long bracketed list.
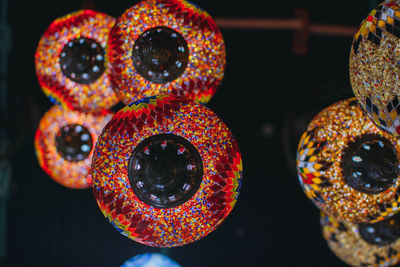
[(364, 244), (348, 167), (374, 71), (150, 260), (64, 144), (70, 61), (166, 47), (166, 171)]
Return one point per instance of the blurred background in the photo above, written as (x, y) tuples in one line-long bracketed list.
[(276, 80)]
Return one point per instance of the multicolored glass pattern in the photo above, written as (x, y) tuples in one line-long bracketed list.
[(72, 174), (345, 242), (319, 165), (81, 25), (374, 61), (206, 62), (210, 204), (150, 260)]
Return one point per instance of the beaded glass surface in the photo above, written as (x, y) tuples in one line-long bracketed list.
[(374, 71), (180, 223), (352, 196), (70, 61), (150, 260), (64, 144), (347, 244), (166, 47)]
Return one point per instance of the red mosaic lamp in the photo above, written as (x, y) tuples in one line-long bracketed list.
[(64, 144), (166, 47), (166, 171), (70, 61)]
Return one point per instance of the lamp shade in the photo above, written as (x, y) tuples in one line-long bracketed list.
[(374, 71), (166, 47), (150, 260), (365, 244), (64, 144), (166, 171), (347, 166), (70, 61)]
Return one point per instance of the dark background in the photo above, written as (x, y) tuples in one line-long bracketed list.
[(267, 97)]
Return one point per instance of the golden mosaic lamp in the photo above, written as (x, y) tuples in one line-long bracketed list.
[(374, 66), (363, 244), (348, 167)]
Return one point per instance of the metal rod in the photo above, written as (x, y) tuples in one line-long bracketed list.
[(284, 24), (241, 23), (335, 30)]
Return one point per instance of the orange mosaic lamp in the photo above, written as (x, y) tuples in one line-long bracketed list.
[(374, 66), (70, 61), (348, 167), (64, 144), (166, 47), (365, 244), (166, 171)]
